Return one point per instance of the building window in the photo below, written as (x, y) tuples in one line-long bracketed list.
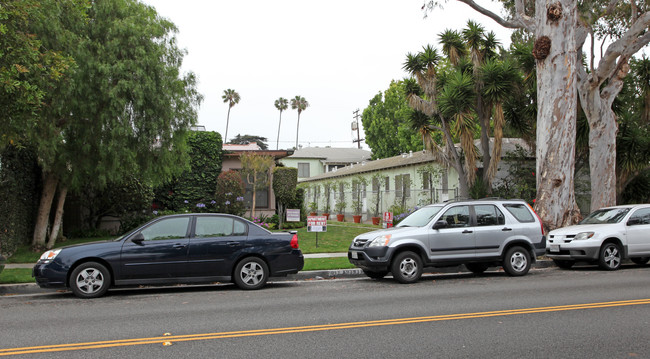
[(403, 185), (303, 170), (387, 184)]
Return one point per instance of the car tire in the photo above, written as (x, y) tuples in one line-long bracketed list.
[(610, 256), (476, 268), (516, 261), (251, 273), (563, 264), (640, 260), (407, 267), (90, 280), (375, 275)]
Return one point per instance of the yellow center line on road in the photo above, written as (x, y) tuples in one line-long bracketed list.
[(310, 328)]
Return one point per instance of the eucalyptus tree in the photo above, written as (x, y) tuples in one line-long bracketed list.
[(231, 97), (124, 109), (300, 104), (561, 30), (281, 104)]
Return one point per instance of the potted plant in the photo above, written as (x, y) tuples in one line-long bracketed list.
[(376, 198), (356, 205), (313, 208), (327, 188), (358, 188), (340, 209)]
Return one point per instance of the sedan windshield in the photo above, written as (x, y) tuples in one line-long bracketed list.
[(605, 216), (420, 217)]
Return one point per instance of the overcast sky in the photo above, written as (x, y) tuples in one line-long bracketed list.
[(336, 54)]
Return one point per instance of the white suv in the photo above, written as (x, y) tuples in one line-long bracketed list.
[(606, 236)]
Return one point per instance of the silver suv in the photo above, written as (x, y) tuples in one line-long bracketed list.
[(477, 233)]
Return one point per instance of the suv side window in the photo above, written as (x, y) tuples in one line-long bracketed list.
[(643, 215), (520, 211), (489, 215), (456, 217)]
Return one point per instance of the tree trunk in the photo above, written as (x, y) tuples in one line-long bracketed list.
[(602, 144), (42, 217), (556, 117), (58, 217)]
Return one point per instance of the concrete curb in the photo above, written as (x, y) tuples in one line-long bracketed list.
[(8, 290)]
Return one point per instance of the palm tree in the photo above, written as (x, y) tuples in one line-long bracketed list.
[(499, 78), (281, 104), (231, 97), (298, 103)]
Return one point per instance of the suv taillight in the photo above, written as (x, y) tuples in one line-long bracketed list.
[(539, 219), (294, 241)]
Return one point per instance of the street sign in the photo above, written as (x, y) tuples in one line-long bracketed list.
[(316, 224), (293, 215), (388, 219)]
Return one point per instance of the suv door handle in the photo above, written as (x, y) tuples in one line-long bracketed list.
[(467, 231), (506, 229)]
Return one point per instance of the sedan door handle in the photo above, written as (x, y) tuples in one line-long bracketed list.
[(233, 244), (506, 229), (179, 246), (467, 231)]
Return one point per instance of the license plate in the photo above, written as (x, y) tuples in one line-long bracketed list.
[(354, 255), (555, 248)]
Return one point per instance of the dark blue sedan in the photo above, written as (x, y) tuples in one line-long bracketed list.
[(187, 248)]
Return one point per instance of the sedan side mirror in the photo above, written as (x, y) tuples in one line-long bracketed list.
[(138, 239), (440, 224)]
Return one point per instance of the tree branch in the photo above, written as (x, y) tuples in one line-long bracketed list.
[(522, 21)]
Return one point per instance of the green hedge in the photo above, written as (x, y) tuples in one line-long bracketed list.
[(19, 191)]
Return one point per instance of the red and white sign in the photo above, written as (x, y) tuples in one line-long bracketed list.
[(388, 219), (316, 224)]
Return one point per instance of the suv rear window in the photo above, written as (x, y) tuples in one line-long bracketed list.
[(520, 211)]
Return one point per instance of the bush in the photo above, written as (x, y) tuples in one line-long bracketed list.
[(229, 196)]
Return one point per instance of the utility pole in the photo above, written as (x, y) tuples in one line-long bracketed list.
[(355, 126)]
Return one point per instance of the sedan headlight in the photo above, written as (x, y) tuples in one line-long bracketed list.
[(583, 235), (49, 255), (380, 241)]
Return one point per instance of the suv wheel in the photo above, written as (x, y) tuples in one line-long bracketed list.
[(610, 256), (407, 267), (516, 261)]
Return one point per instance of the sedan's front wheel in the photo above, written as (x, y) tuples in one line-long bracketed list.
[(251, 273), (90, 280)]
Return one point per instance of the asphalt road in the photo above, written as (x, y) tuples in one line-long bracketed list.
[(550, 313)]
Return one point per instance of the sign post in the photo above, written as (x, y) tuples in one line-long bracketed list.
[(316, 224)]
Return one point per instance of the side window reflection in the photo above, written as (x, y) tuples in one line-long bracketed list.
[(456, 217), (170, 228)]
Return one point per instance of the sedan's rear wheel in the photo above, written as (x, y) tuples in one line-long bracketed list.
[(640, 260), (251, 273), (90, 280), (516, 261), (407, 267), (610, 256)]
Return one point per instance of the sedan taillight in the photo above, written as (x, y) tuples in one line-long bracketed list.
[(294, 241)]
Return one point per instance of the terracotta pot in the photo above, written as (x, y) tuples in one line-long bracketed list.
[(375, 220), (313, 213), (340, 217), (357, 219), (327, 215)]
